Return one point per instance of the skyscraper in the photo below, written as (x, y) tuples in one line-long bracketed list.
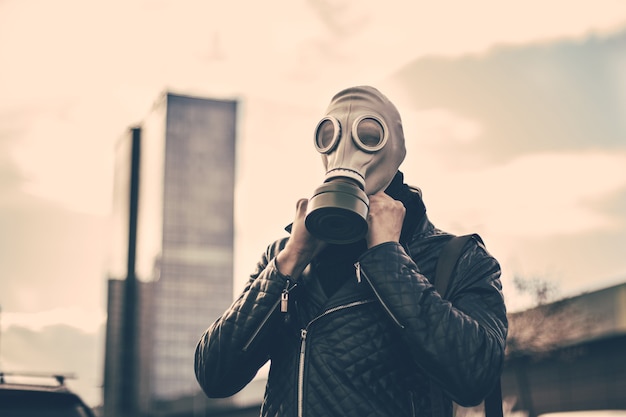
[(171, 268)]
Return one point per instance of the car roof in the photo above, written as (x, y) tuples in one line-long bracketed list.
[(41, 388), (36, 382)]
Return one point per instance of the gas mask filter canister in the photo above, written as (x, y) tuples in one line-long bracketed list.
[(362, 145)]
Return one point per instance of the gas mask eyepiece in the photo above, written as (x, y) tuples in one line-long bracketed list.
[(369, 134)]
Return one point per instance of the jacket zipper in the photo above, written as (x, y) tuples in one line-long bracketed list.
[(360, 274), (303, 333), (283, 301), (303, 339)]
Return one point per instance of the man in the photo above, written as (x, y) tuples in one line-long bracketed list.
[(356, 327)]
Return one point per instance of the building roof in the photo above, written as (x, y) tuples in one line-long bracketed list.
[(583, 318)]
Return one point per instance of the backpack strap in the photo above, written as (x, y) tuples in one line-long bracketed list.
[(493, 401), (448, 259)]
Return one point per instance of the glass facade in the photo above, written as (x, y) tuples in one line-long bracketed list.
[(193, 270)]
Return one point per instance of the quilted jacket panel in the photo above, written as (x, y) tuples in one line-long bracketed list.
[(371, 349)]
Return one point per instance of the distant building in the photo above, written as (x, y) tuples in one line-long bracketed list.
[(171, 270), (568, 355)]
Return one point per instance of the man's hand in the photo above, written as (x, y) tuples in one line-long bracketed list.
[(384, 219), (301, 247)]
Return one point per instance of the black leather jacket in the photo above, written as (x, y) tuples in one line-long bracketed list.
[(373, 347)]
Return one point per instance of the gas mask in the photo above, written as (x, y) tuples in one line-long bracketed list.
[(362, 146)]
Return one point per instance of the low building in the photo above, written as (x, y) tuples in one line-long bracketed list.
[(568, 355)]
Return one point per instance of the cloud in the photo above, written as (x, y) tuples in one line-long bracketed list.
[(534, 98), (80, 318), (50, 257), (63, 163), (536, 195), (57, 349)]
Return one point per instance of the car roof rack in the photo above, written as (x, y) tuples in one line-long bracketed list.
[(60, 378)]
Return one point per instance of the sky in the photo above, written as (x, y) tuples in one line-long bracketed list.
[(513, 116)]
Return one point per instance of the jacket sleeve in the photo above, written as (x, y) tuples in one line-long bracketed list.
[(235, 346), (458, 343)]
